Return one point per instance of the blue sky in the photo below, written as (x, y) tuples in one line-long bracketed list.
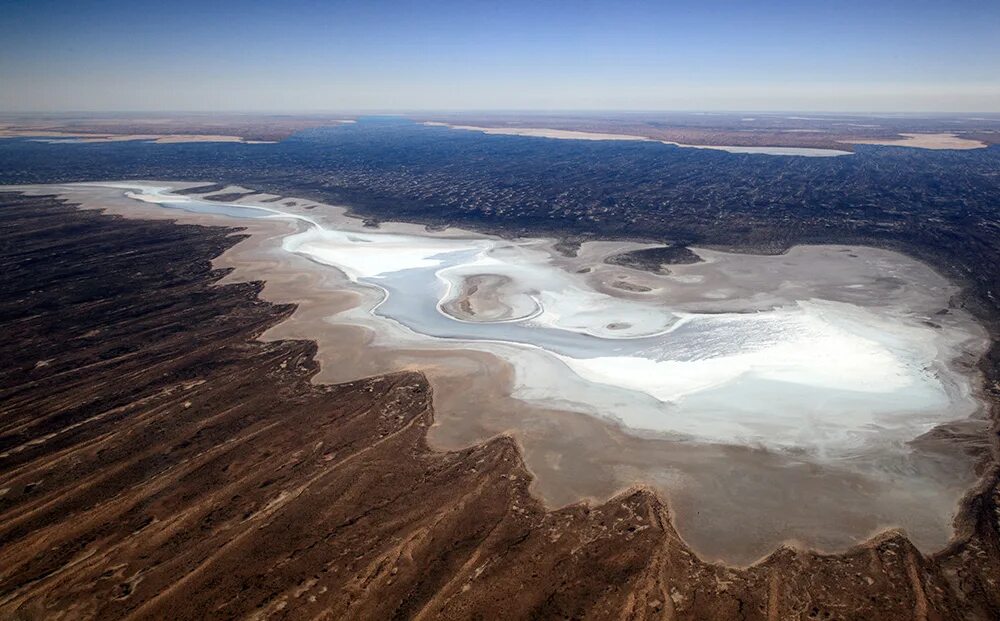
[(877, 55)]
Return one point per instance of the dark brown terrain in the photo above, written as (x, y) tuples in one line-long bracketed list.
[(655, 259), (157, 461)]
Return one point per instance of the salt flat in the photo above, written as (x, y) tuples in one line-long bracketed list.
[(783, 391)]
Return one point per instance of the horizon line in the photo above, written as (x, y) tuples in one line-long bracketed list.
[(548, 111)]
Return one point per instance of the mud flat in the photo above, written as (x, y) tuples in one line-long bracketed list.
[(482, 297), (796, 398)]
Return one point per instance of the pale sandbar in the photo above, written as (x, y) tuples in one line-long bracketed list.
[(565, 134), (924, 141)]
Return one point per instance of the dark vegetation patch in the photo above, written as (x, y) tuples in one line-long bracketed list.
[(203, 189), (229, 196), (655, 259)]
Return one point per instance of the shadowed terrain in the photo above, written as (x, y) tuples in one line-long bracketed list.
[(158, 461)]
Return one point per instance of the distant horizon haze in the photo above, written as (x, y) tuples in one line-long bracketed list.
[(302, 56), (348, 113)]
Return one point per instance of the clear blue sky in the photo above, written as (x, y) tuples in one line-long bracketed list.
[(873, 55)]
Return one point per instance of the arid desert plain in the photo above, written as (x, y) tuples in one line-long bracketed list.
[(804, 398)]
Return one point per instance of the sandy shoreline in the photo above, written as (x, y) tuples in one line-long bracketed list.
[(573, 456), (169, 129), (936, 141), (558, 134), (564, 134), (61, 136)]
